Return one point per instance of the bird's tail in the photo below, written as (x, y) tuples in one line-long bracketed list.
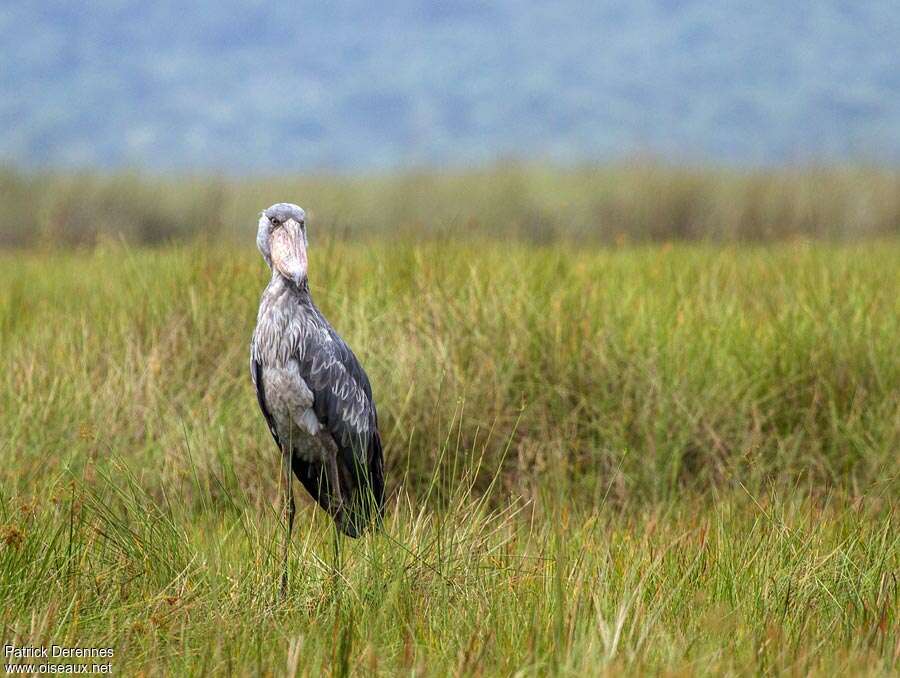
[(366, 506)]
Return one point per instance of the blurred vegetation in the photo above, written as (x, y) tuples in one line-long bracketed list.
[(634, 202)]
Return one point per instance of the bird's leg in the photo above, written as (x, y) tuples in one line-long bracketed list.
[(334, 484), (287, 509), (335, 496)]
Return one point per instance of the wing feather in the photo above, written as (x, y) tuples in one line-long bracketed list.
[(344, 405)]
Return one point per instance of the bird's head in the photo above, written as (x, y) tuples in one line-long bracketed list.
[(281, 238)]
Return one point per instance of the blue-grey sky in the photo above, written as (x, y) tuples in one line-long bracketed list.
[(267, 87)]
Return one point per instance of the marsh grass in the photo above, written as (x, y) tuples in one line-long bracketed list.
[(663, 369), (677, 459), (746, 585)]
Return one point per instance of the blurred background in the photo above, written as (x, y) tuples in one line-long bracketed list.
[(603, 120), (252, 86)]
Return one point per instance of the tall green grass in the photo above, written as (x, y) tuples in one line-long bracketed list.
[(659, 369), (750, 586), (638, 458)]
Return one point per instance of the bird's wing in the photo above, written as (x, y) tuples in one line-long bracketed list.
[(256, 376), (343, 403)]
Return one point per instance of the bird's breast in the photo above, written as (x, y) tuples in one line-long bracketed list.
[(290, 402), (278, 337), (286, 391)]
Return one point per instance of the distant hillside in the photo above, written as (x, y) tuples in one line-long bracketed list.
[(255, 86)]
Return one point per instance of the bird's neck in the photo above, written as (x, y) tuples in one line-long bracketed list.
[(281, 284)]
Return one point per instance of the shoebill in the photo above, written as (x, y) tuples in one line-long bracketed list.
[(313, 393)]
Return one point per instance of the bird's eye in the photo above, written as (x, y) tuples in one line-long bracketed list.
[(275, 221)]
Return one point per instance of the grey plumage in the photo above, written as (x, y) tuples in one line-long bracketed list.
[(313, 392)]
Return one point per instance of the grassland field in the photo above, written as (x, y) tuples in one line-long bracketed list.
[(643, 458)]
